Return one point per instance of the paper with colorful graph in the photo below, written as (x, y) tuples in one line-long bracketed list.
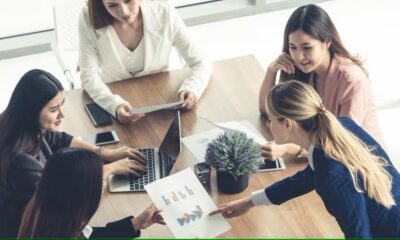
[(185, 206)]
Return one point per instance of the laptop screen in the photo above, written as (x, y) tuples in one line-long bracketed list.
[(171, 144)]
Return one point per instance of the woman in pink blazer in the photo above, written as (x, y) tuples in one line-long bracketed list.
[(314, 53)]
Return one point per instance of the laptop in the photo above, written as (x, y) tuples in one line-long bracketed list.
[(159, 162)]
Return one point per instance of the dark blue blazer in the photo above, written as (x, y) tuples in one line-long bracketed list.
[(358, 215)]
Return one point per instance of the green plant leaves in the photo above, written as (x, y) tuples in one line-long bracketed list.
[(233, 152)]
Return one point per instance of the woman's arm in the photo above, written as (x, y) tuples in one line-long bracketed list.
[(118, 229), (124, 159), (300, 183), (109, 155), (267, 84), (89, 65), (200, 67), (283, 62), (129, 227)]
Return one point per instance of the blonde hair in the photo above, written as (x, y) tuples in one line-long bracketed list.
[(299, 102)]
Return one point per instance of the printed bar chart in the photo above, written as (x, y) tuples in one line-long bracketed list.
[(190, 191), (176, 197), (190, 217), (185, 206), (166, 200)]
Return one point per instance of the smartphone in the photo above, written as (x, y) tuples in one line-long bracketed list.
[(102, 138), (97, 115), (268, 165)]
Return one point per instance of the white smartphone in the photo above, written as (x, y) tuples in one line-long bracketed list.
[(102, 138), (268, 165)]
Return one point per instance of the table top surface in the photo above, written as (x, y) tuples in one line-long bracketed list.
[(232, 95)]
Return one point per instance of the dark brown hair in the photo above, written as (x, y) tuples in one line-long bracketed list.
[(98, 14), (314, 21), (19, 123), (67, 196)]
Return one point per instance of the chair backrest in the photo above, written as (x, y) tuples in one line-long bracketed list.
[(66, 44), (66, 16)]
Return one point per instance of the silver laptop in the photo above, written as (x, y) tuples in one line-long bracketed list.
[(159, 162)]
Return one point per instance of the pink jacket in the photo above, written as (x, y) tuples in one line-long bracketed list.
[(348, 93)]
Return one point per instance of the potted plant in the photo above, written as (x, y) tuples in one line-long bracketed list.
[(234, 156)]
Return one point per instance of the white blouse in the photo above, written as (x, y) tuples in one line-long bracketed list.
[(133, 60)]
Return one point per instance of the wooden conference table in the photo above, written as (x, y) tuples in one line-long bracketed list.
[(231, 95)]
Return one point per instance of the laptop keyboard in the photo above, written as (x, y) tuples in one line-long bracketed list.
[(137, 182)]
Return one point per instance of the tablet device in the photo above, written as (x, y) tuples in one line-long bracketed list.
[(97, 115)]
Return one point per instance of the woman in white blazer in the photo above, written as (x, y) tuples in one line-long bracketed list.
[(121, 39)]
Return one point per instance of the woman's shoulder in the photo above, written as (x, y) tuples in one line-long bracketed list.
[(159, 9), (349, 71), (24, 161), (156, 5), (84, 16), (325, 165)]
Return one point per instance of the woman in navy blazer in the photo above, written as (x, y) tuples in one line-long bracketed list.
[(349, 170)]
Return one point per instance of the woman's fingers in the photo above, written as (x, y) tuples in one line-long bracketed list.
[(137, 156), (137, 167), (133, 172), (287, 66), (221, 209), (215, 212), (136, 116), (287, 61), (267, 155), (189, 99), (265, 147)]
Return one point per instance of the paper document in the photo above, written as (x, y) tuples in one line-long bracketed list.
[(198, 143), (154, 108), (185, 206)]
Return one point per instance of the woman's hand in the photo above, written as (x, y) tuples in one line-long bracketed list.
[(272, 151), (189, 99), (111, 155), (147, 218), (284, 62), (234, 208), (125, 114), (124, 166)]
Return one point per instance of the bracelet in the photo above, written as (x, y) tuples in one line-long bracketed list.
[(98, 150)]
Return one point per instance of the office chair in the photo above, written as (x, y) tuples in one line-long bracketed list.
[(65, 47)]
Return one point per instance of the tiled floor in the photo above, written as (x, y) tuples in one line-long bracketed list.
[(368, 27)]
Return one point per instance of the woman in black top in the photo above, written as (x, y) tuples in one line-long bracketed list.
[(28, 137), (67, 197)]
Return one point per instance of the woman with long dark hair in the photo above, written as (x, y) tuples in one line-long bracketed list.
[(28, 137), (68, 196), (347, 167), (314, 53)]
